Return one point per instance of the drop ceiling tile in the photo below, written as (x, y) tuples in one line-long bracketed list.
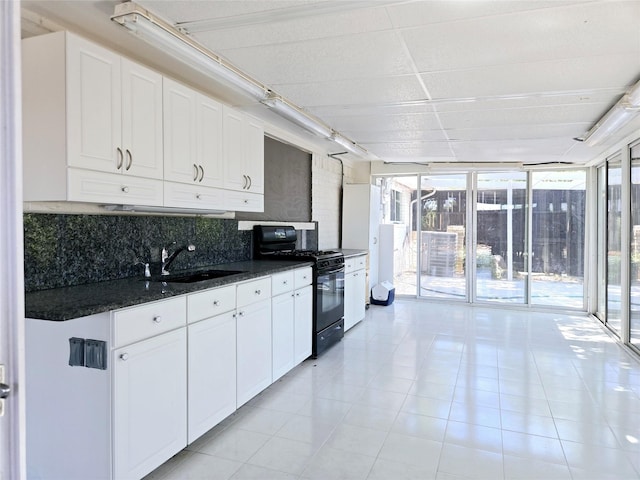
[(513, 150), (296, 30), (587, 73), (518, 132), (552, 115), (411, 14), (380, 123), (372, 137), (411, 151), (540, 35), (358, 91), (353, 56)]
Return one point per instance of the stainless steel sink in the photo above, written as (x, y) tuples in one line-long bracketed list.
[(191, 277)]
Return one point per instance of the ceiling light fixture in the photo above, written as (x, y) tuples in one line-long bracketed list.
[(619, 115), (296, 115), (177, 43), (156, 31)]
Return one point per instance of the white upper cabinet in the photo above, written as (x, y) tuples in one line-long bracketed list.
[(193, 136), (114, 112), (87, 108), (243, 150)]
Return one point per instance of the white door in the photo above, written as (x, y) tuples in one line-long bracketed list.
[(303, 324), (235, 175), (282, 308), (180, 133), (12, 422)]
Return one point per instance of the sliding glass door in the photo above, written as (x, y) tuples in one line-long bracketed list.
[(557, 238), (501, 233), (443, 229), (438, 240)]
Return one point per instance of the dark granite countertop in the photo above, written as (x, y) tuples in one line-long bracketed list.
[(348, 252), (59, 304)]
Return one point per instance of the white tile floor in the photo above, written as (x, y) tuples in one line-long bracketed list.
[(431, 391)]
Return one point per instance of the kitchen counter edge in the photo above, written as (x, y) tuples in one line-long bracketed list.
[(67, 303)]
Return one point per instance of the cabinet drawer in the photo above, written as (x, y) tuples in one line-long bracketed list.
[(210, 303), (102, 187), (303, 277), (244, 202), (360, 262), (349, 265), (192, 196), (144, 321), (282, 282), (253, 291)]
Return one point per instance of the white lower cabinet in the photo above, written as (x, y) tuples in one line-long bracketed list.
[(355, 287), (212, 373), (149, 403), (175, 368), (292, 317)]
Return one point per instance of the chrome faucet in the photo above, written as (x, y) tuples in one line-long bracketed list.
[(168, 259)]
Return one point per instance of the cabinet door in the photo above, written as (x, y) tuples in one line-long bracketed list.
[(360, 295), (209, 142), (282, 318), (303, 324), (253, 350), (93, 106), (235, 176), (212, 373), (149, 403), (350, 294), (180, 160), (254, 154), (141, 121)]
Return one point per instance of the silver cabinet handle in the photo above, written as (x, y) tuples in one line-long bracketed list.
[(124, 356), (120, 158), (246, 182), (5, 390), (375, 240), (258, 292), (246, 201), (241, 314), (198, 196), (201, 172), (250, 182), (157, 319), (125, 189), (195, 172), (130, 158), (216, 303)]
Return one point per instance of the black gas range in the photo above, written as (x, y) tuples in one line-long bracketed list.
[(279, 242)]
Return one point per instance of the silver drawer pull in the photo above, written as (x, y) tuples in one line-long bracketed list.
[(241, 314), (216, 303), (258, 292), (124, 356), (125, 189), (157, 319)]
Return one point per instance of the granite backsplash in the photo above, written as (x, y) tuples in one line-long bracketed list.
[(64, 250)]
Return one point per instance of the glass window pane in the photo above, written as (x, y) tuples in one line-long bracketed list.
[(443, 207), (501, 237), (558, 214), (614, 245), (635, 248)]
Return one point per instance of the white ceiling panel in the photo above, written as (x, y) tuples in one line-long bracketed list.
[(538, 35), (337, 58), (359, 91), (436, 80), (296, 30), (577, 74), (416, 14)]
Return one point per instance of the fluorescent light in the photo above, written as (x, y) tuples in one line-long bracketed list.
[(620, 114), (297, 116), (174, 41), (159, 33), (352, 147)]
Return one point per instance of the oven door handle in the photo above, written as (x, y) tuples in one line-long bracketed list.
[(329, 272)]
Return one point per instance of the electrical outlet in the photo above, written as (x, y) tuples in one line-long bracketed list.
[(1, 399)]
